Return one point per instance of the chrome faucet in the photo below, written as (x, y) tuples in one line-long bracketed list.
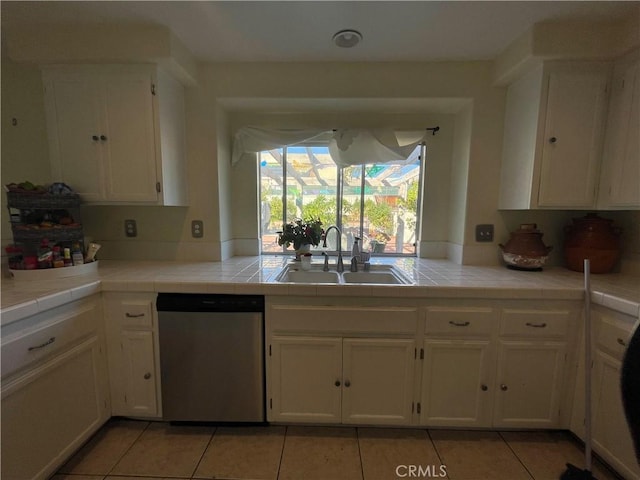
[(339, 264)]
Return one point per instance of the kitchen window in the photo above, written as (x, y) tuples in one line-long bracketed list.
[(377, 202)]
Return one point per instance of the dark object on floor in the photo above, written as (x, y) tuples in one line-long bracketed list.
[(574, 473), (630, 386)]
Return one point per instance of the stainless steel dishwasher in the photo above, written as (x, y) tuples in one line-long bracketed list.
[(212, 357)]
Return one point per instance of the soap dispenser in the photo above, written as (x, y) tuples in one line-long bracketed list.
[(355, 249)]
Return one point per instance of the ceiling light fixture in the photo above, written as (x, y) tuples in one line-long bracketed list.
[(347, 38)]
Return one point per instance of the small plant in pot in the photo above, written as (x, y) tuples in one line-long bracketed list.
[(301, 234)]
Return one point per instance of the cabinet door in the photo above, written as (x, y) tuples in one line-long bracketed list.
[(457, 383), (74, 109), (49, 412), (621, 159), (138, 366), (305, 379), (378, 381), (130, 154), (529, 384), (572, 138), (611, 436)]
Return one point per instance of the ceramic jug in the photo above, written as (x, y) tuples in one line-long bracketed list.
[(594, 238), (525, 249)]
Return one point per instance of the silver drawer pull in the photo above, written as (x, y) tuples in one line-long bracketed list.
[(536, 325), (48, 342), (134, 315), (622, 342), (459, 324)]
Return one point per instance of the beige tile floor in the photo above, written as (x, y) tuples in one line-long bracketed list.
[(127, 450)]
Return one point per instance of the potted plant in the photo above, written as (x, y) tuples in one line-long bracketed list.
[(301, 234)]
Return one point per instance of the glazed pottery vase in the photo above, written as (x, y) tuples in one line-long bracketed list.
[(525, 249), (594, 238)]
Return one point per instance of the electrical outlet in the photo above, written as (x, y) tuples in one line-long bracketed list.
[(484, 233), (197, 228), (130, 228)]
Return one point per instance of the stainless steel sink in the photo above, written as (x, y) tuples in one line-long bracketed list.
[(378, 274), (296, 275), (387, 278)]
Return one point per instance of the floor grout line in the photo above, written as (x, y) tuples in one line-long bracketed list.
[(213, 434), (516, 455), (435, 448), (360, 453)]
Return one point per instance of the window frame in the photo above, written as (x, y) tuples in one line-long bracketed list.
[(339, 199)]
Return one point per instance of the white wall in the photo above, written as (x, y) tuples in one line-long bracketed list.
[(467, 151), (25, 150)]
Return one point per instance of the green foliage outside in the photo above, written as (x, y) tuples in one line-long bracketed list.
[(323, 208), (380, 216)]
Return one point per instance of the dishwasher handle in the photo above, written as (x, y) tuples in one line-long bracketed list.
[(203, 302)]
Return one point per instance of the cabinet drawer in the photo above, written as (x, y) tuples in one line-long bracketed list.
[(534, 323), (49, 333), (613, 337), (342, 320), (136, 313), (477, 321)]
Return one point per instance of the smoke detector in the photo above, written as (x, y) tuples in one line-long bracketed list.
[(347, 38)]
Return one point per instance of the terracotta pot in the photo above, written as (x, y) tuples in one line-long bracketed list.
[(594, 238), (525, 249)]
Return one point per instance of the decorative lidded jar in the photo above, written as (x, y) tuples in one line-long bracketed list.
[(594, 238), (525, 249)]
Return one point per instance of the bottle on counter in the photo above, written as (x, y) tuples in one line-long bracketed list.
[(66, 257), (58, 261), (45, 255), (76, 254), (355, 249)]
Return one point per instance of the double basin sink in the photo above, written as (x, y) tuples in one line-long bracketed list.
[(377, 274)]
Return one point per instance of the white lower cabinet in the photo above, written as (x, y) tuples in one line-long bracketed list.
[(495, 364), (456, 376), (340, 363), (55, 390), (132, 335), (377, 380), (341, 380), (610, 433), (306, 379), (529, 384), (611, 437)]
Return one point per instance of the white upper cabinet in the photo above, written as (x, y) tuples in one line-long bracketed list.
[(117, 133), (554, 129), (620, 181)]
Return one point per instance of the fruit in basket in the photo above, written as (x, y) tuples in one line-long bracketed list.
[(26, 186), (65, 221)]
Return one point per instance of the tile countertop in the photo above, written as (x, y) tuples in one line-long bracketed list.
[(256, 275)]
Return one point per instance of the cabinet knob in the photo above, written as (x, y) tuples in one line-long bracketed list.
[(95, 138), (484, 388), (147, 376), (503, 387), (347, 383), (337, 384), (103, 137), (553, 140)]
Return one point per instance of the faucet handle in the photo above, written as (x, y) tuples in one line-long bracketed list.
[(325, 268)]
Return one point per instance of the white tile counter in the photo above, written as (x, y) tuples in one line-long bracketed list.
[(256, 275)]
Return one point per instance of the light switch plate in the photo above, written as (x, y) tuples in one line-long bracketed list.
[(197, 228), (130, 228), (484, 233)]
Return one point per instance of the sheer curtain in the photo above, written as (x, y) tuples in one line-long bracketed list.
[(346, 146)]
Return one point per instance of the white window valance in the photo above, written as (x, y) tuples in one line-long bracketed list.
[(346, 146)]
